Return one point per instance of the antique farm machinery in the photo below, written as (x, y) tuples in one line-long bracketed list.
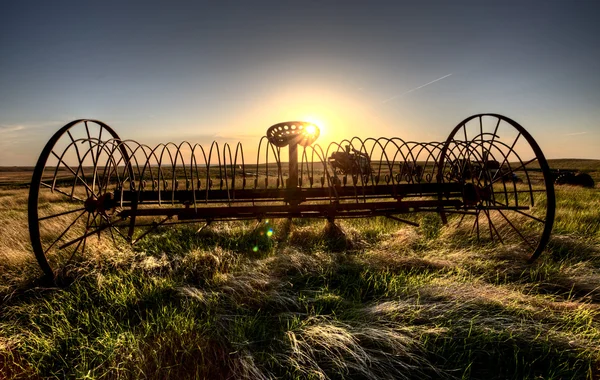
[(489, 178)]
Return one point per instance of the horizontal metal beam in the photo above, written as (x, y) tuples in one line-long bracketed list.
[(299, 211), (296, 194)]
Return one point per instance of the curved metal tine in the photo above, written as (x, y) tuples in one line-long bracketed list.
[(481, 138), (397, 151), (195, 169), (80, 166), (243, 167), (491, 185), (100, 147), (206, 224), (94, 159), (111, 168), (485, 171), (494, 134), (185, 172), (429, 148), (98, 154), (511, 149), (227, 148), (522, 166), (503, 174)]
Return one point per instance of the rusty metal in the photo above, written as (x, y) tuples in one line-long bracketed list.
[(89, 182)]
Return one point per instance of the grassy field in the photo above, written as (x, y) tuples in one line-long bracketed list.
[(300, 300)]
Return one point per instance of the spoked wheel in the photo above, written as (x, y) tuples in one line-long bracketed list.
[(72, 193), (508, 192)]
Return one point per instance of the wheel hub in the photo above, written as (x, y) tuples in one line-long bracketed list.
[(101, 204), (473, 194)]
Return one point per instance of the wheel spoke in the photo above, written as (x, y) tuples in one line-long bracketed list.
[(61, 214), (75, 174), (112, 228), (78, 245), (483, 155), (476, 224), (64, 232), (494, 134), (511, 149), (96, 178), (152, 228), (461, 220), (94, 159), (493, 226), (520, 212), (516, 230), (513, 170), (78, 156), (100, 229), (62, 192)]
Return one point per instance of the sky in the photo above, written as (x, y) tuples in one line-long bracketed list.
[(200, 71)]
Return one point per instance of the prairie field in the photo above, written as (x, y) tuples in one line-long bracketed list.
[(374, 299)]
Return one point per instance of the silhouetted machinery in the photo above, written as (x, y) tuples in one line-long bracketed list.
[(350, 162), (572, 177), (489, 178)]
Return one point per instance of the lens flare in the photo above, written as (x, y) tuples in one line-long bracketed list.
[(311, 129)]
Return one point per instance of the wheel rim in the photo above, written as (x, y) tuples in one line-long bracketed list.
[(508, 188), (70, 198)]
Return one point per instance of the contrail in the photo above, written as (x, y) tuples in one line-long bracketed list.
[(576, 134), (416, 88)]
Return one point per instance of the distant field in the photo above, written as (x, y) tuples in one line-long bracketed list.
[(15, 175)]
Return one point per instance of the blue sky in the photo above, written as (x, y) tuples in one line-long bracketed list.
[(177, 70)]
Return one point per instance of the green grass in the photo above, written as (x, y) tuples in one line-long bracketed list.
[(380, 300)]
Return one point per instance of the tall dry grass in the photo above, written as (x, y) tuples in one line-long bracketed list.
[(373, 300)]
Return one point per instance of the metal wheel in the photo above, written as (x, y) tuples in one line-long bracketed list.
[(72, 190), (508, 191)]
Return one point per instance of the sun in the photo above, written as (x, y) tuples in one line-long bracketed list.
[(311, 129), (316, 127)]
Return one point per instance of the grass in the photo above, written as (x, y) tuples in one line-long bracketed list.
[(380, 301)]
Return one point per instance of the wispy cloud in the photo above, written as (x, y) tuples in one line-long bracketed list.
[(416, 88), (576, 133), (11, 128)]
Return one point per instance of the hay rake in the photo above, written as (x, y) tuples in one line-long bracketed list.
[(489, 178)]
